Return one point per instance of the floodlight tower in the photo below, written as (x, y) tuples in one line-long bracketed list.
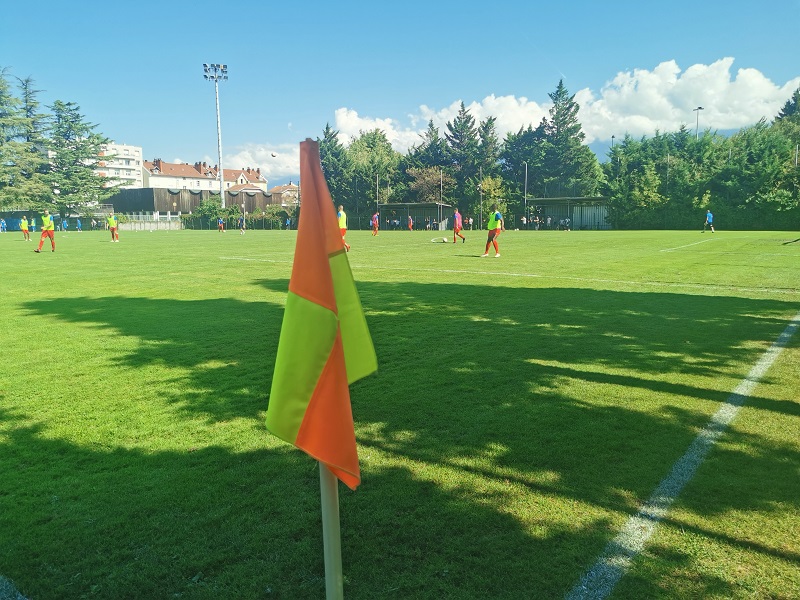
[(217, 73), (525, 194), (697, 122)]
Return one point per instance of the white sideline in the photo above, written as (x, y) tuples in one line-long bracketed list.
[(617, 556), (687, 245)]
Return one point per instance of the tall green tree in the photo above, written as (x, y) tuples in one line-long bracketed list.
[(430, 184), (431, 151), (462, 156), (791, 109), (336, 166), (21, 157), (568, 163), (35, 126), (374, 171), (74, 148)]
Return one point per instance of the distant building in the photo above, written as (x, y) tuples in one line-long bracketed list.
[(123, 165), (159, 174), (286, 195)]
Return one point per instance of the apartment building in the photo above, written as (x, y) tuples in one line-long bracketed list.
[(123, 165)]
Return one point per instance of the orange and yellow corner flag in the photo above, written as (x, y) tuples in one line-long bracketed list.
[(325, 343)]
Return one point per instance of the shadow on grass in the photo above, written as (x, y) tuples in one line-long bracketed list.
[(482, 382)]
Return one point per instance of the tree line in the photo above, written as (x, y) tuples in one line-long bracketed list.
[(750, 179), (48, 159), (664, 182)]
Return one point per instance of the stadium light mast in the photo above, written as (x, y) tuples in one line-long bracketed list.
[(217, 73), (480, 191), (697, 123), (525, 193)]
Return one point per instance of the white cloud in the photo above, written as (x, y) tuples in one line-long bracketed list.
[(642, 101), (637, 102), (284, 164), (350, 124)]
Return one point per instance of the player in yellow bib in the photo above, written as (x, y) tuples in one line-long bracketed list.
[(342, 216), (496, 226), (48, 231), (23, 225), (113, 225)]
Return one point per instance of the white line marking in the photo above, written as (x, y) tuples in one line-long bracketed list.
[(686, 246), (664, 284), (620, 552)]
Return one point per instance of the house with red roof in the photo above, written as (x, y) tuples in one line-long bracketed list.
[(200, 176)]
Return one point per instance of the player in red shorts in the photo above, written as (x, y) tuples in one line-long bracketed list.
[(458, 225), (48, 231), (342, 216), (375, 221)]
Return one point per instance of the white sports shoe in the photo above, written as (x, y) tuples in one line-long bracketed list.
[(484, 255), (497, 255)]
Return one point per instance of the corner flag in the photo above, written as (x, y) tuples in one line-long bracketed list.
[(324, 344)]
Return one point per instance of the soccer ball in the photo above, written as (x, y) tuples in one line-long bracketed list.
[(274, 154)]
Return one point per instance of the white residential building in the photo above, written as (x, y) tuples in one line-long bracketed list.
[(124, 165)]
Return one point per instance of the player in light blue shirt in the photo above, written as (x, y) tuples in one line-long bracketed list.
[(709, 222)]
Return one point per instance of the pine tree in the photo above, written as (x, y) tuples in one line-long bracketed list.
[(462, 155), (568, 162), (336, 167), (75, 151), (21, 162), (791, 110)]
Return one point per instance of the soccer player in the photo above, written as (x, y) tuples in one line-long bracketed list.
[(410, 223), (496, 226), (220, 225), (709, 222), (375, 221), (48, 231), (342, 216), (113, 226), (23, 225), (458, 225)]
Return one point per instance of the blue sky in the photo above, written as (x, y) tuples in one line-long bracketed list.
[(136, 69)]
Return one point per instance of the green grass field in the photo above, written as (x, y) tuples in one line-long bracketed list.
[(523, 409)]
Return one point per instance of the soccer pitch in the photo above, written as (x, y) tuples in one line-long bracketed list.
[(524, 410)]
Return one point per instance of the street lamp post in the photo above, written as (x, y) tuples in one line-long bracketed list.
[(441, 194), (525, 194), (697, 122), (217, 73), (612, 142), (480, 191)]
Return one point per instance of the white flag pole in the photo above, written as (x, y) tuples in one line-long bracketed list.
[(331, 535)]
